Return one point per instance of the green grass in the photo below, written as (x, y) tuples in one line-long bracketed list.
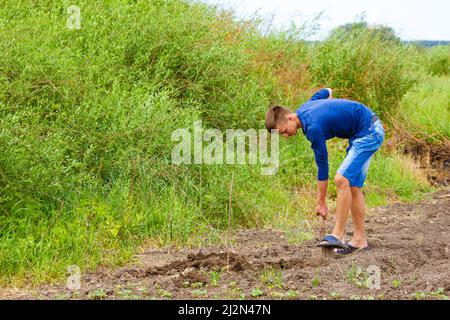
[(395, 177), (214, 276), (425, 110), (86, 118), (438, 294), (436, 60), (272, 278), (257, 293), (316, 280)]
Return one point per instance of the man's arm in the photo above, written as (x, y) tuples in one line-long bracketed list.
[(325, 93), (318, 143)]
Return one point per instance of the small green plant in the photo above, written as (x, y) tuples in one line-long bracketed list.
[(61, 296), (335, 295), (292, 294), (214, 277), (74, 295), (420, 295), (272, 278), (396, 283), (99, 294), (164, 293), (439, 293), (257, 293), (357, 276), (197, 285), (234, 291), (313, 297), (276, 294), (127, 294), (316, 279), (200, 293)]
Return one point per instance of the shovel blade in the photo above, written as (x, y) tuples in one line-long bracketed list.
[(327, 252)]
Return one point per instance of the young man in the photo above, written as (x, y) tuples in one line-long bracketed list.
[(322, 118)]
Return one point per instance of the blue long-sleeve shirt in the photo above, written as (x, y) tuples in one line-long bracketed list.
[(324, 118)]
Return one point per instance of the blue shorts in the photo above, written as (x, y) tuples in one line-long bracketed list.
[(359, 153)]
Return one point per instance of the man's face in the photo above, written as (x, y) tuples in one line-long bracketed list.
[(287, 128)]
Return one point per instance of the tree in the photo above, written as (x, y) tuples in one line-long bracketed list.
[(384, 32)]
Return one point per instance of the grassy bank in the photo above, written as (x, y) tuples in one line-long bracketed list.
[(86, 118), (425, 110)]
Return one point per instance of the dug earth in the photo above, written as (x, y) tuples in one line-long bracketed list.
[(409, 259)]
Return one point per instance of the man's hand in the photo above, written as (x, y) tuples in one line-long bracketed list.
[(322, 210)]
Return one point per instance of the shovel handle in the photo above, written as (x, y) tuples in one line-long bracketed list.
[(323, 227)]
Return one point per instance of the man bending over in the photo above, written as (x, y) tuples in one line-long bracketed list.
[(322, 118)]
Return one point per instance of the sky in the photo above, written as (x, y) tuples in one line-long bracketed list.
[(411, 19)]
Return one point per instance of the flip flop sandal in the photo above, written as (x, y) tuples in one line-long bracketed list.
[(350, 249), (330, 241)]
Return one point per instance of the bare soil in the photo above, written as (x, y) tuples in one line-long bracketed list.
[(432, 158), (409, 246)]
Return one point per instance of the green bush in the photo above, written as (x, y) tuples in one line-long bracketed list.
[(437, 60), (86, 118), (364, 66)]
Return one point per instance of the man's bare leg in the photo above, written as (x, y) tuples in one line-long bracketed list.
[(344, 201), (358, 209)]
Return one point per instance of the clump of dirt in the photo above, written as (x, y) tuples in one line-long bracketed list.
[(409, 259), (434, 158)]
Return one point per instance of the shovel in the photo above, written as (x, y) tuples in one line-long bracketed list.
[(327, 252)]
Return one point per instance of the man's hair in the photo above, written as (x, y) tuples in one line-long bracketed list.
[(276, 115)]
